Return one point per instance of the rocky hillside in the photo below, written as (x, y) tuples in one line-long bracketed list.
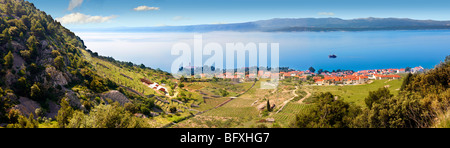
[(41, 61)]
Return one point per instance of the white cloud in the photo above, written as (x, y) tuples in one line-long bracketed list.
[(326, 13), (179, 18), (145, 8), (79, 18), (74, 3)]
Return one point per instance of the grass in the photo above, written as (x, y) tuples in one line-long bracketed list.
[(356, 93), (52, 124), (443, 120), (111, 71)]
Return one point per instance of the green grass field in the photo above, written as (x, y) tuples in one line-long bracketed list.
[(356, 93)]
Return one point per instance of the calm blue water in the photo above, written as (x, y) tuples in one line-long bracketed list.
[(298, 50)]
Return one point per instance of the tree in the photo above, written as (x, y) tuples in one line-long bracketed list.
[(181, 85), (106, 116), (320, 71), (268, 106), (406, 81), (59, 62), (312, 69), (407, 69), (142, 66), (173, 109), (327, 113), (64, 114), (24, 122), (447, 59), (224, 93), (377, 96), (9, 59), (33, 44), (22, 87), (26, 54), (36, 92)]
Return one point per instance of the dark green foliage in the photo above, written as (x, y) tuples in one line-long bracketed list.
[(130, 107), (59, 63), (224, 93), (376, 96), (22, 86), (327, 113), (312, 69), (106, 116), (406, 81), (64, 114), (405, 111), (36, 92), (9, 59), (24, 122), (5, 104), (173, 109)]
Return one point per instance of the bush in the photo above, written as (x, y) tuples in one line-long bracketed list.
[(106, 116), (327, 113), (9, 59), (59, 63)]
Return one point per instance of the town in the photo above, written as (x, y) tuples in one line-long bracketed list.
[(311, 76)]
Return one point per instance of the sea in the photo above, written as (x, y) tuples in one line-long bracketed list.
[(363, 50)]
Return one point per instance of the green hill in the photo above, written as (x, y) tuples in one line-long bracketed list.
[(47, 73)]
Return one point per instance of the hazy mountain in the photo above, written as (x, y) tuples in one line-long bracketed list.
[(298, 24)]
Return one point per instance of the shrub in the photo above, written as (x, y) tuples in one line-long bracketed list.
[(9, 59)]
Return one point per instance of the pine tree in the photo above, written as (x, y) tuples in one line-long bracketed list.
[(9, 59)]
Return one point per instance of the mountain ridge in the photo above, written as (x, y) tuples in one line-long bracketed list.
[(296, 24)]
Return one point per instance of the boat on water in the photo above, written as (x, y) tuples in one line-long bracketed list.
[(333, 56)]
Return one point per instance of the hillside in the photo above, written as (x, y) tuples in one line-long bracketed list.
[(47, 75), (40, 58)]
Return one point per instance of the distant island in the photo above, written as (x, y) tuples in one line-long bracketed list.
[(297, 25)]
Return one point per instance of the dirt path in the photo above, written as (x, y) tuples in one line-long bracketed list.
[(287, 101), (308, 94)]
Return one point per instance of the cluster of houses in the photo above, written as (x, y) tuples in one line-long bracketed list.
[(346, 77), (154, 85)]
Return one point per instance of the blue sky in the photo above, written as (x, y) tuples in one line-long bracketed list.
[(128, 13)]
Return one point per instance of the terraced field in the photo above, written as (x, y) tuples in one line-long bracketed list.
[(287, 115)]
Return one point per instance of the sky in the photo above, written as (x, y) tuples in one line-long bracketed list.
[(76, 14)]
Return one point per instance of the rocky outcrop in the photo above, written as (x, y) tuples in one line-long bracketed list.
[(58, 77), (73, 99), (27, 106), (18, 62), (53, 109), (116, 96)]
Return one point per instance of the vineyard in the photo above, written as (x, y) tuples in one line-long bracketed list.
[(239, 107), (285, 117)]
